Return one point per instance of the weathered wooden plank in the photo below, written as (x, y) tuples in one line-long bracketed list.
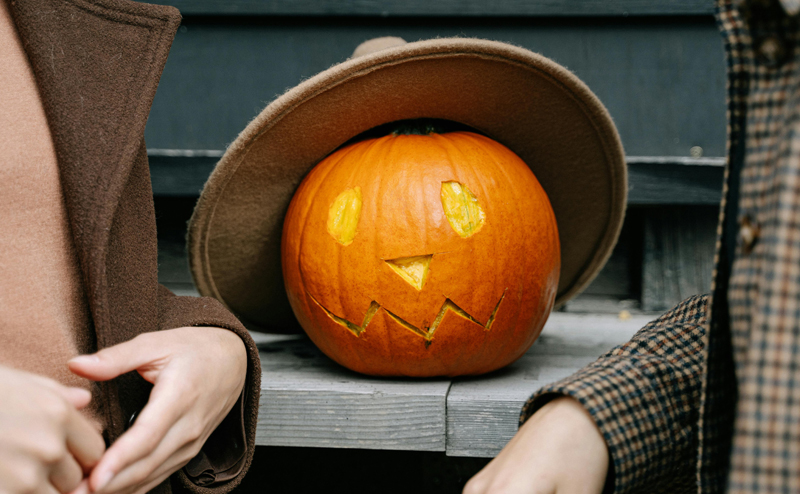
[(586, 303), (181, 172), (652, 179), (308, 400), (678, 254), (482, 412), (667, 180), (386, 8), (615, 279)]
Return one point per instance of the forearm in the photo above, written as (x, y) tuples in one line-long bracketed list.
[(644, 397)]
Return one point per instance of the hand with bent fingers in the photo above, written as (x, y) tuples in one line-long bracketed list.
[(197, 373), (46, 445), (559, 450)]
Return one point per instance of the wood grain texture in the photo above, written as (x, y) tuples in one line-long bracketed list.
[(180, 172), (659, 181), (678, 254), (386, 8), (651, 180), (308, 400), (483, 413)]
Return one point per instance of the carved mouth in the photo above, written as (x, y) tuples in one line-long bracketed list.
[(424, 332)]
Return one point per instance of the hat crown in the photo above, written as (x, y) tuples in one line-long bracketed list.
[(377, 44)]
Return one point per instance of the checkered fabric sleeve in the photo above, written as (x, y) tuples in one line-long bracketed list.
[(645, 397)]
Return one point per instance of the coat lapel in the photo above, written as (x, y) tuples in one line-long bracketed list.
[(97, 64)]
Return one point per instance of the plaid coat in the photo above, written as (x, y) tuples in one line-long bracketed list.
[(707, 397)]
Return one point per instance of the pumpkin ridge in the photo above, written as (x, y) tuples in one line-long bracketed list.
[(306, 213)]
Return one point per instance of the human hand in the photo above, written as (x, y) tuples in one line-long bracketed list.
[(198, 374), (46, 445), (558, 450)]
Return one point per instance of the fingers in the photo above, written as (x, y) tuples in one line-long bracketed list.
[(77, 397), (153, 469), (83, 441), (156, 419), (66, 475), (83, 488), (117, 360), (46, 488)]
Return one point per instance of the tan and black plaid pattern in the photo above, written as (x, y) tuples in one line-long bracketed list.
[(764, 289), (690, 405), (644, 396)]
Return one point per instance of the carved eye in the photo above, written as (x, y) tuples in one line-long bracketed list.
[(343, 216), (462, 209)]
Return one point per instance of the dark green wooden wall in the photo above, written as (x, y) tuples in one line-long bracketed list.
[(662, 78)]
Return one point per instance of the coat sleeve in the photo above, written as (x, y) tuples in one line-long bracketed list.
[(227, 453), (645, 398)]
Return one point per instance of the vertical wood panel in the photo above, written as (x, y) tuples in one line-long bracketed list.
[(678, 254)]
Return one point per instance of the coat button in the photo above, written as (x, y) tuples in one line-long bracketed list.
[(772, 50), (748, 234)]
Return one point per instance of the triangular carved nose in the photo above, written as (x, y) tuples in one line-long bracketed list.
[(412, 269)]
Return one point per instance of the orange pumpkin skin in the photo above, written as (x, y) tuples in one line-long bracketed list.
[(485, 297)]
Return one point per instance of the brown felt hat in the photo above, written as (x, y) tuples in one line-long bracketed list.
[(529, 103)]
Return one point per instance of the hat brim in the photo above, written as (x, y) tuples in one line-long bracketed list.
[(529, 103)]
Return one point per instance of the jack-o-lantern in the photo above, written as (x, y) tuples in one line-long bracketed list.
[(409, 284), (421, 255)]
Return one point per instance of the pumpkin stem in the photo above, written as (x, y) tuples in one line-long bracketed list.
[(416, 127), (425, 126)]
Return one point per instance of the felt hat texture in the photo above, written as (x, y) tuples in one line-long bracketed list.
[(527, 102)]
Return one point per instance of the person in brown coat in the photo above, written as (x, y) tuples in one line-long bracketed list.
[(166, 384)]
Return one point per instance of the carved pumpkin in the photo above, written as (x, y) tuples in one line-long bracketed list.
[(421, 255)]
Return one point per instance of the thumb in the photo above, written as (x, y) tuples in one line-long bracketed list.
[(116, 360)]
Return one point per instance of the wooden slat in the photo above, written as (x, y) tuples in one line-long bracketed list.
[(652, 179), (181, 172), (386, 8), (307, 400), (483, 412), (674, 180), (678, 254)]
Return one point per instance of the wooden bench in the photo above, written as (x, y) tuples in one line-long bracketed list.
[(308, 400)]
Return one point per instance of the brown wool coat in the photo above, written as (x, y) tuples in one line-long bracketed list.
[(97, 64)]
